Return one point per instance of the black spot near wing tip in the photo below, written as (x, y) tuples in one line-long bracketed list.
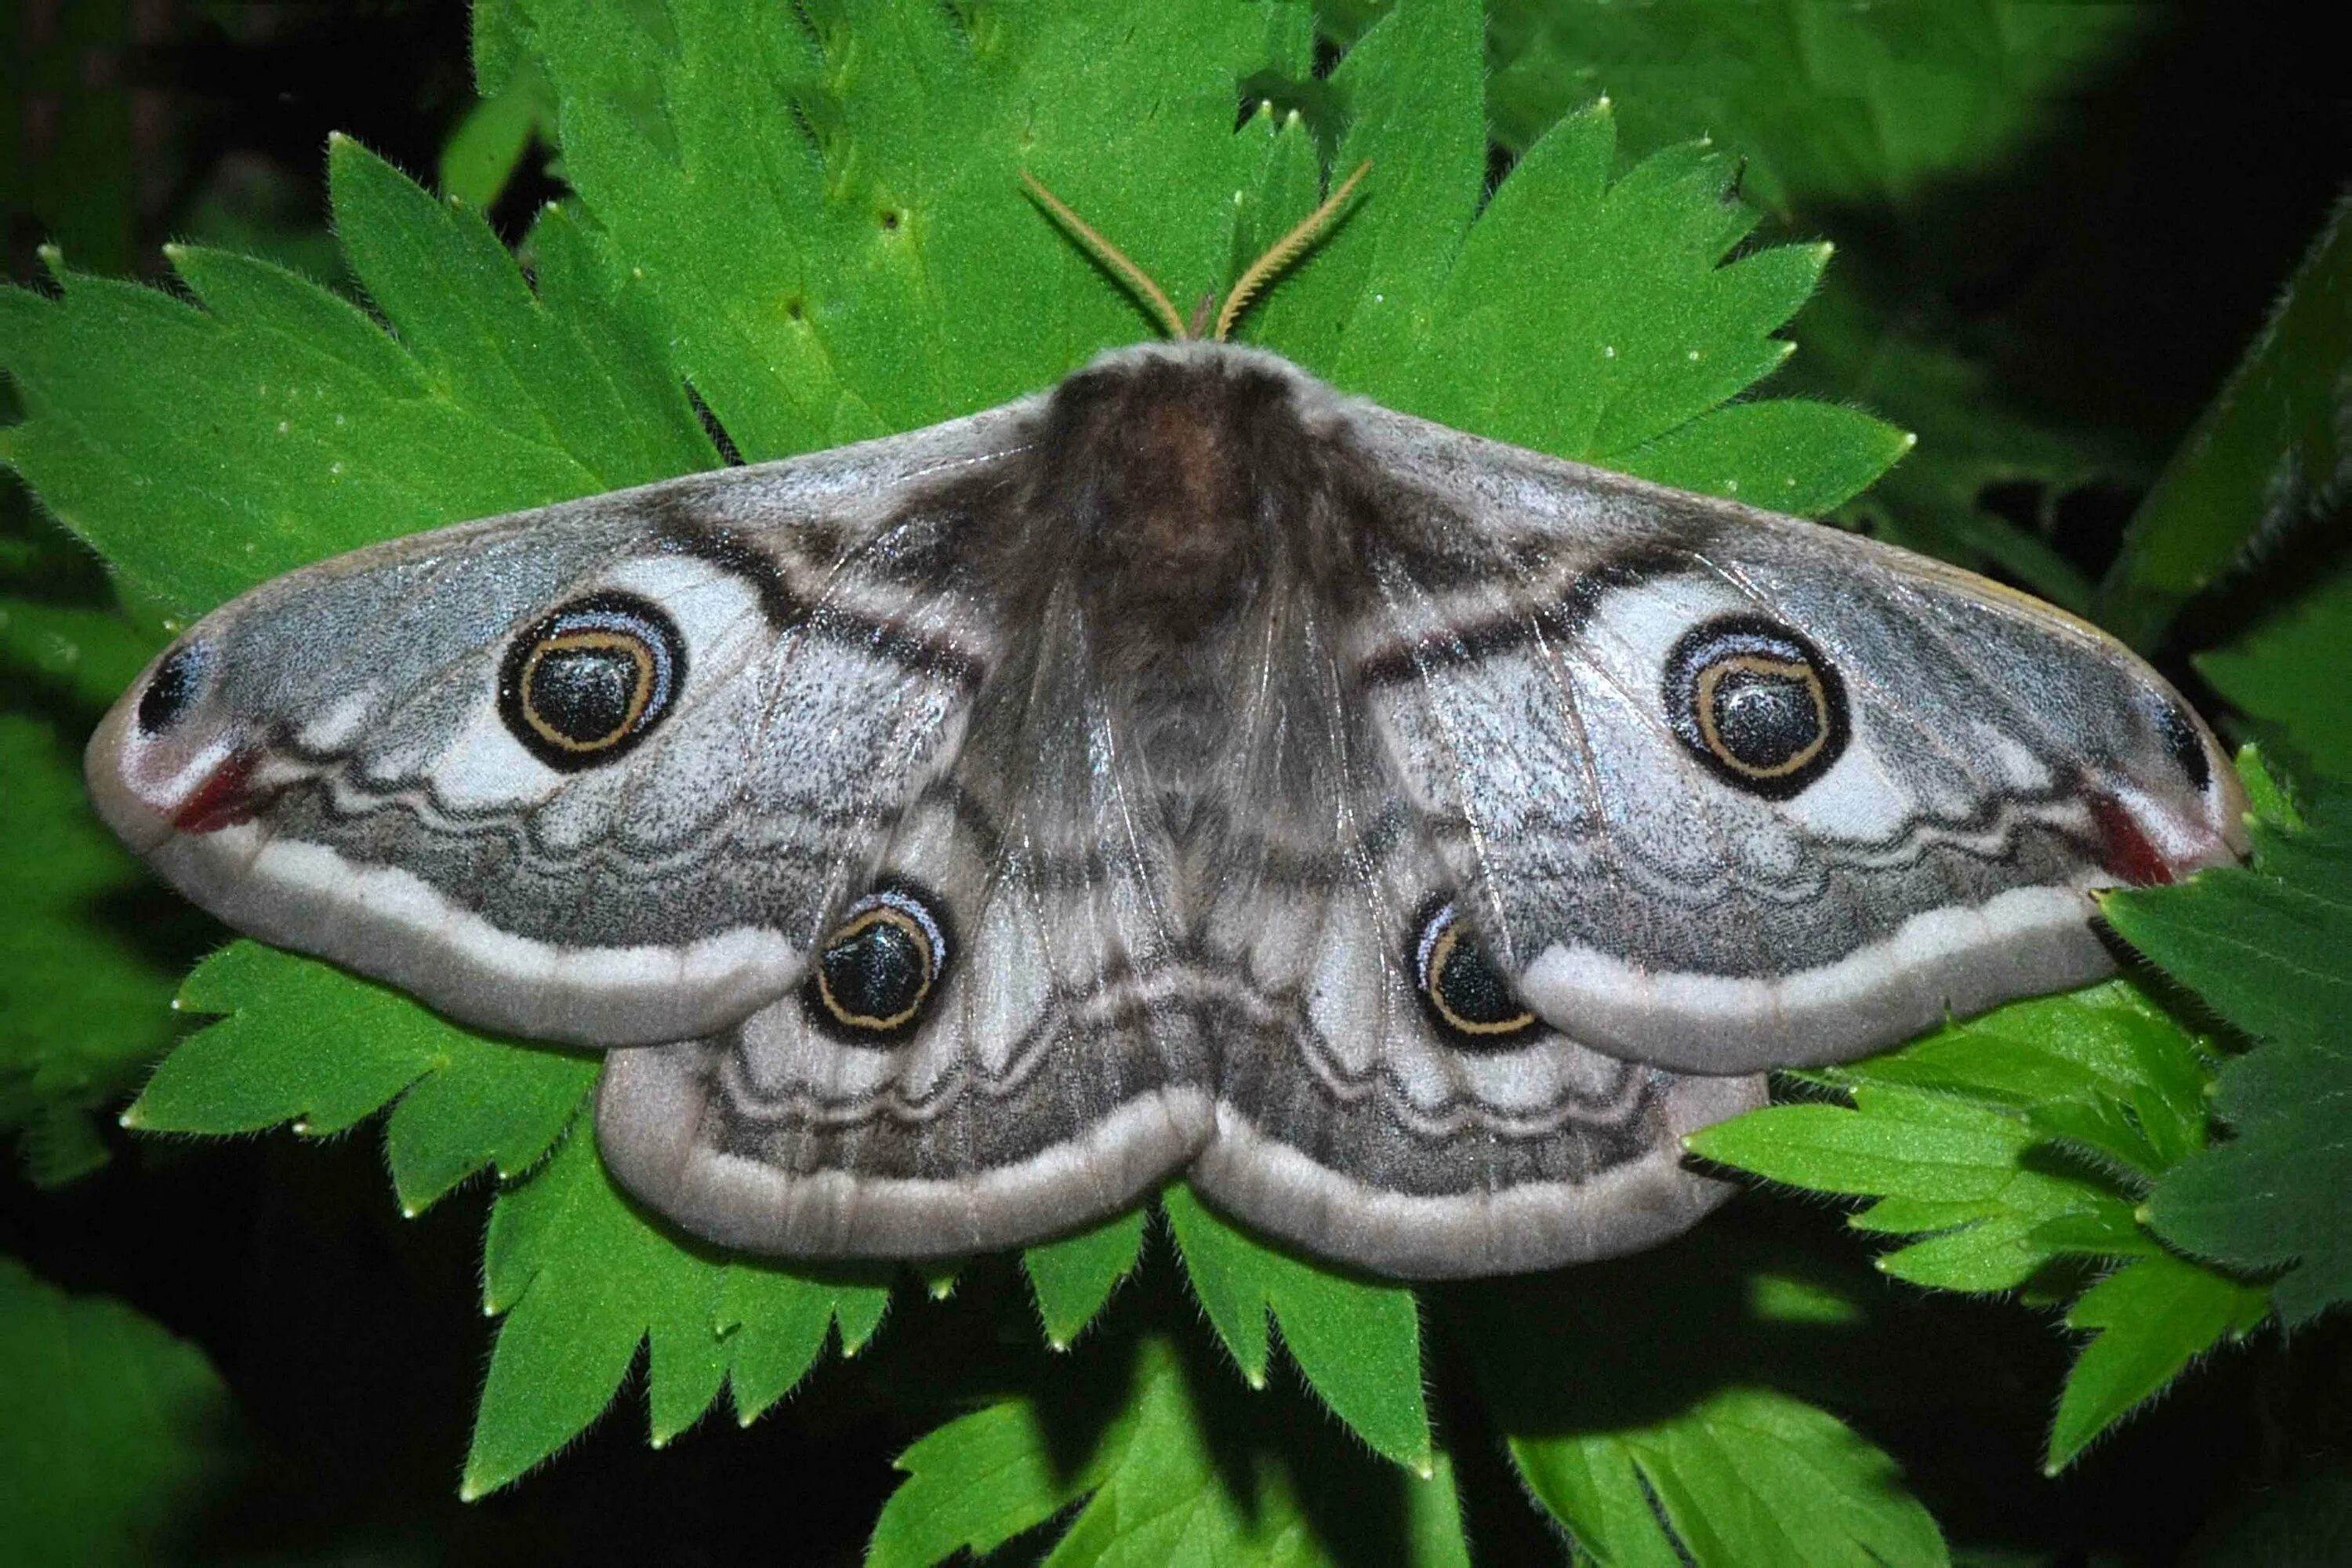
[(174, 688), (2187, 747)]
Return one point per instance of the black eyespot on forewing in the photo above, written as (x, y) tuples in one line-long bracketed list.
[(879, 972), (178, 680), (592, 680), (1464, 995), (1757, 703), (2178, 731)]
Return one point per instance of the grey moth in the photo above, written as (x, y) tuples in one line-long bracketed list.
[(1190, 771)]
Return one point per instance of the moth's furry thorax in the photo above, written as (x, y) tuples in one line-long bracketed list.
[(1183, 482)]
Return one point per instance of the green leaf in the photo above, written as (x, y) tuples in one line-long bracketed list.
[(1357, 1344), (2154, 1316), (1074, 1277), (774, 1322), (2270, 947), (1164, 1482), (1865, 122), (86, 655), (482, 154), (1744, 1477), (278, 424), (1364, 304), (1645, 331), (85, 957), (898, 276), (2286, 672), (464, 1102), (1785, 456), (1960, 1136), (1844, 107), (584, 1278), (2270, 446), (113, 1431), (1963, 1138)]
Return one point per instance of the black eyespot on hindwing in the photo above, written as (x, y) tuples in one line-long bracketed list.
[(1757, 703), (1469, 1001), (592, 679), (875, 975), (177, 682)]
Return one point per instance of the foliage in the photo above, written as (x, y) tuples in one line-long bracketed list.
[(150, 1426), (2270, 947), (810, 217)]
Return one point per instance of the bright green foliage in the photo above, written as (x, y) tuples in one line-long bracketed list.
[(110, 1428), (2270, 948), (1158, 1474), (1074, 1277), (1836, 110), (584, 1278), (2269, 448), (202, 450), (2153, 1316), (1744, 1477), (2010, 1145), (464, 1102), (2287, 674), (1952, 1135), (1358, 1343), (899, 277)]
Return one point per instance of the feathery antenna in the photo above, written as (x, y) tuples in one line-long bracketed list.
[(1285, 251), (1111, 255), (1260, 272)]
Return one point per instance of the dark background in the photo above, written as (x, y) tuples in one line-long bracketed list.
[(2112, 277)]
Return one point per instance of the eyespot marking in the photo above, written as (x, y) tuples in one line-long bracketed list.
[(1757, 703), (1470, 1003), (176, 683), (592, 680), (875, 975)]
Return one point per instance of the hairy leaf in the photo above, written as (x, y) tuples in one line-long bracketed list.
[(464, 1102), (203, 447), (584, 1278), (2154, 1316), (2014, 1142), (1165, 1481), (1074, 1277), (2287, 673), (1357, 1344), (2270, 947), (1746, 1476)]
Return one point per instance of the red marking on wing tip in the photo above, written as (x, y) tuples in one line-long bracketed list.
[(226, 798), (2123, 845)]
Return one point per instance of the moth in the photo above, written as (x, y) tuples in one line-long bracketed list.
[(1187, 770)]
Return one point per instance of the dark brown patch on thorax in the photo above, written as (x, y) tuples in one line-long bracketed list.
[(1181, 487)]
